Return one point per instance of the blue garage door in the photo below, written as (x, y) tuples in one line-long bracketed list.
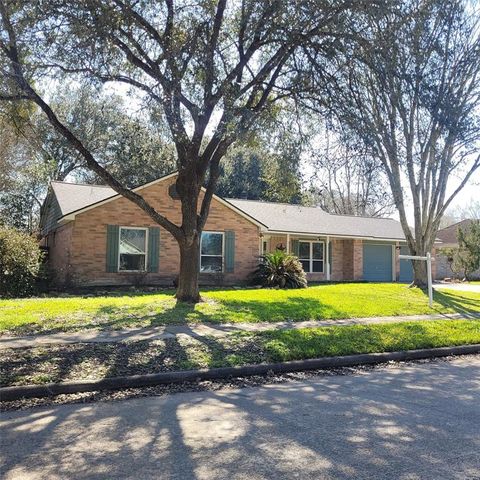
[(377, 262), (406, 269)]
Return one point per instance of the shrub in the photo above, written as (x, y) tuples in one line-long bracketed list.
[(465, 259), (20, 262), (280, 269)]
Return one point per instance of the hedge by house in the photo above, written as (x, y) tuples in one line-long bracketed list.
[(20, 262)]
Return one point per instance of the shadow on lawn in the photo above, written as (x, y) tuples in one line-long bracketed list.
[(93, 361), (216, 311), (457, 302), (83, 360), (231, 311)]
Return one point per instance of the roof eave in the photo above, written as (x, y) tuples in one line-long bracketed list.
[(335, 235)]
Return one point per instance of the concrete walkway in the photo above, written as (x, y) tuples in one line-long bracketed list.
[(416, 421), (200, 330), (458, 287)]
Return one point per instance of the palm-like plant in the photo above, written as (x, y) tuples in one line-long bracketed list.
[(280, 269)]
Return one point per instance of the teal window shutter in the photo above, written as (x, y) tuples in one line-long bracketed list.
[(229, 251), (153, 249), (112, 247), (295, 247)]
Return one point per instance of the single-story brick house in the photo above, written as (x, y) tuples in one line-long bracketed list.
[(96, 237), (448, 238)]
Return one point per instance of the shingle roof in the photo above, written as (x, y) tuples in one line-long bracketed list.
[(448, 235), (282, 217), (279, 217), (74, 196)]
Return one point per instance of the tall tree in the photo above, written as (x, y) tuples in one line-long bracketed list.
[(32, 154), (265, 164), (347, 178), (411, 90), (469, 248), (468, 211), (465, 259), (242, 174), (20, 177), (211, 67)]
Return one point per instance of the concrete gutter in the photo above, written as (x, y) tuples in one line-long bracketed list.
[(136, 381)]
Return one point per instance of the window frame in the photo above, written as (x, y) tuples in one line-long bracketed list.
[(310, 260), (207, 255), (145, 229)]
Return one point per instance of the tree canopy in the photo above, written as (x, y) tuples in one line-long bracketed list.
[(210, 69), (410, 89)]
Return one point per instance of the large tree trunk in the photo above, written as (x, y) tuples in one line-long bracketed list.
[(188, 187), (187, 289), (419, 274)]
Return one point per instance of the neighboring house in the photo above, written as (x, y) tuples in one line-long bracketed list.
[(96, 237), (448, 238)]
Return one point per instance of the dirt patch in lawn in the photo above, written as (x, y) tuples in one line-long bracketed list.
[(82, 361)]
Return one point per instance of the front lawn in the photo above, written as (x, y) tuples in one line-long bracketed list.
[(88, 361), (329, 301)]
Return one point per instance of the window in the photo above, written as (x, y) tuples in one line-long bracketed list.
[(311, 256), (265, 247), (211, 252), (132, 249)]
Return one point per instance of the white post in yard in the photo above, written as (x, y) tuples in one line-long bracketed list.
[(429, 277), (288, 243), (327, 260), (427, 259)]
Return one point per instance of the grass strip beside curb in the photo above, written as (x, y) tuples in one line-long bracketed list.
[(136, 381)]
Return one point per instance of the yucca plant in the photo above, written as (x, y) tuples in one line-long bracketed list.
[(280, 269)]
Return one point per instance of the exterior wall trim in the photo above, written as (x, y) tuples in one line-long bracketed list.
[(331, 235)]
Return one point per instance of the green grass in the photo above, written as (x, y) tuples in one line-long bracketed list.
[(348, 340), (57, 363), (329, 301)]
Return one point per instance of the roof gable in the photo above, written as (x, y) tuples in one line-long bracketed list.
[(72, 199), (448, 235), (75, 196)]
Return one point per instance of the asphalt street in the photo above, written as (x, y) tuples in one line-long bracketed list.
[(414, 421)]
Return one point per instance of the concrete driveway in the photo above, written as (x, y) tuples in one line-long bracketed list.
[(461, 287), (417, 421)]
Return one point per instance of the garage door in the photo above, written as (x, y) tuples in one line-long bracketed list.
[(406, 269), (377, 262)]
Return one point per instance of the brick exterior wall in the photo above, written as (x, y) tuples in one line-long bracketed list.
[(347, 259), (77, 250), (84, 248), (357, 259), (59, 252), (337, 260)]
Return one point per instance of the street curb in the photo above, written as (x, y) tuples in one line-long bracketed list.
[(164, 378)]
